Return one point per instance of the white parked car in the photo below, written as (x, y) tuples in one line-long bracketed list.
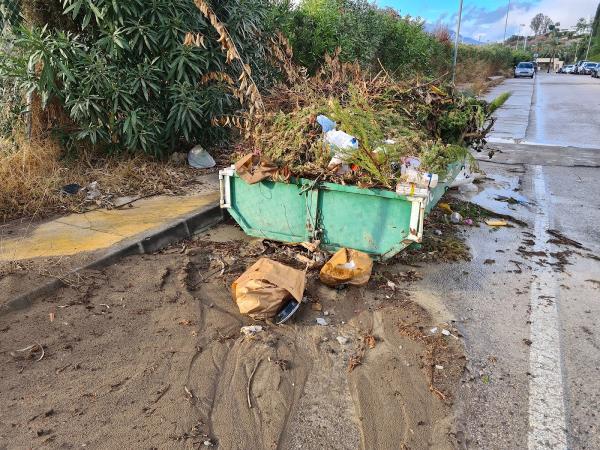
[(525, 69), (569, 69)]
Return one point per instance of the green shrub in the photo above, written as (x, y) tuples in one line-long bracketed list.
[(125, 78), (363, 32)]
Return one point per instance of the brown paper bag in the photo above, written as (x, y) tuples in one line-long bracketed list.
[(347, 267), (262, 290), (252, 170)]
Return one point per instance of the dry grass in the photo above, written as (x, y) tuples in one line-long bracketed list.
[(33, 173), (474, 75)]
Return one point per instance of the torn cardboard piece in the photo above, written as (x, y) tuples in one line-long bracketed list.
[(347, 267), (253, 169), (263, 289)]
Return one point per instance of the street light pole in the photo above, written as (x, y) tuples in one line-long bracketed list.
[(506, 22), (519, 36), (456, 41)]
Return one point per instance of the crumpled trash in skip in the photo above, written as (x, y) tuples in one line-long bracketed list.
[(347, 267), (253, 169), (263, 289), (199, 158)]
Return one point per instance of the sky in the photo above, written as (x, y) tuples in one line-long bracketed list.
[(484, 19)]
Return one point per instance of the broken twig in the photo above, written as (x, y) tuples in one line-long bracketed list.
[(249, 387)]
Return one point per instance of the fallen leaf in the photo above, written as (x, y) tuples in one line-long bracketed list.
[(496, 222), (370, 341)]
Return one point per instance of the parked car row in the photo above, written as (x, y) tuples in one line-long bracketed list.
[(582, 68)]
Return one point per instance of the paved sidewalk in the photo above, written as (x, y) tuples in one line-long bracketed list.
[(99, 229), (513, 117)]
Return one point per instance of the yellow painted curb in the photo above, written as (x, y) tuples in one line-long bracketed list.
[(100, 229)]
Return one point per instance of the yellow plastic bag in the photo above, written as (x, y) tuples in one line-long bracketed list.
[(347, 267), (263, 289)]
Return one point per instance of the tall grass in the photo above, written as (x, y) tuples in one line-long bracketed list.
[(32, 174)]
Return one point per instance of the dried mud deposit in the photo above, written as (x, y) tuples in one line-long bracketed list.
[(148, 354)]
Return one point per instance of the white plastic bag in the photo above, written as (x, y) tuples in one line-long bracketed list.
[(199, 158)]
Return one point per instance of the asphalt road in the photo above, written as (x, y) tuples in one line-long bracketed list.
[(530, 324)]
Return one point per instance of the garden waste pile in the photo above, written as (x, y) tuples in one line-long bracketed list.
[(346, 126)]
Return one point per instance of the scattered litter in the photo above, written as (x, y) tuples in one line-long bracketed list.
[(261, 291), (305, 260), (208, 443), (342, 340), (199, 158), (511, 200), (71, 189), (496, 222), (251, 330), (437, 232), (465, 178), (249, 387), (311, 246), (438, 367), (93, 192), (326, 313), (455, 218), (188, 392), (434, 330), (316, 306), (468, 222), (347, 267), (370, 341), (51, 315), (446, 333), (32, 350), (391, 285), (445, 207), (321, 321), (470, 187), (288, 311)]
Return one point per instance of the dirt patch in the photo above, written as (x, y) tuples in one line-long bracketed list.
[(148, 354)]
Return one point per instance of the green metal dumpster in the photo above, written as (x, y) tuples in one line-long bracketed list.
[(375, 221)]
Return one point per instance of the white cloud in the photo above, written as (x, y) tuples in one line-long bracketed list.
[(563, 11)]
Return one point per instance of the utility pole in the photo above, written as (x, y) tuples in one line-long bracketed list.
[(589, 43), (506, 22), (519, 36), (525, 43), (456, 40)]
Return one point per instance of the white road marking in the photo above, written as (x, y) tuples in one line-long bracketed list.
[(547, 417)]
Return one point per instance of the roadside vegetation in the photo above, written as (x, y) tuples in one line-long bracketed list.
[(92, 85)]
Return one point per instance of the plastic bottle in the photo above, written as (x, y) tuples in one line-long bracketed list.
[(339, 139), (421, 179)]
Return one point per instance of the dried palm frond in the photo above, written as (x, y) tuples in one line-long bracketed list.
[(248, 91)]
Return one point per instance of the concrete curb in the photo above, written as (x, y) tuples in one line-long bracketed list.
[(150, 242)]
